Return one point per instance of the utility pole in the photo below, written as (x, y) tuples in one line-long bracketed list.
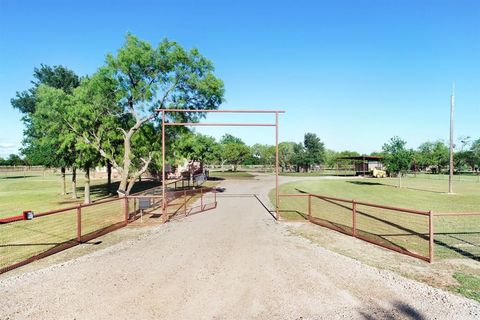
[(452, 109)]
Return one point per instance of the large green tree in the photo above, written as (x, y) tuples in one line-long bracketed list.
[(314, 150), (397, 158), (127, 93), (233, 150), (286, 154), (38, 147), (432, 154)]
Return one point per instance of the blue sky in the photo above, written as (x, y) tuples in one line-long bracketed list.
[(354, 72)]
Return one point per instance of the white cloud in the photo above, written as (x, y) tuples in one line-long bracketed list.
[(7, 146)]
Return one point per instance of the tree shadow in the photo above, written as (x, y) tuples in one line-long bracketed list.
[(18, 177), (339, 227), (366, 183), (405, 312)]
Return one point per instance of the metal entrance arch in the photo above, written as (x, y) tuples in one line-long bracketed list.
[(192, 124)]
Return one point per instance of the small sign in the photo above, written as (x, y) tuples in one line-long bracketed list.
[(144, 203)]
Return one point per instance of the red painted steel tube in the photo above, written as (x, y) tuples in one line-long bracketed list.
[(12, 219), (126, 210), (277, 204), (185, 201), (164, 200), (222, 111), (430, 237), (457, 214), (79, 224), (309, 208), (425, 213), (354, 218), (197, 124)]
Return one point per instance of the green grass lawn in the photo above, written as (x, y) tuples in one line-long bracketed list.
[(231, 174), (319, 173), (23, 239), (454, 236), (43, 193)]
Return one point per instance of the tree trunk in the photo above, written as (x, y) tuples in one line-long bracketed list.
[(126, 165), (399, 179), (131, 182), (87, 199), (64, 182), (74, 183), (109, 176)]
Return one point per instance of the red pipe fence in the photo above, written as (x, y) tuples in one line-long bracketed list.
[(23, 241)]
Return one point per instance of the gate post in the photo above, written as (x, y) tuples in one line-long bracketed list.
[(185, 201), (79, 223), (430, 237), (309, 207), (126, 209), (354, 218)]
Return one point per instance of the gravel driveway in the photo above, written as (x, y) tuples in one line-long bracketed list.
[(234, 262)]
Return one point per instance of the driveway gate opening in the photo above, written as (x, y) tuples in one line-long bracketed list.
[(192, 124)]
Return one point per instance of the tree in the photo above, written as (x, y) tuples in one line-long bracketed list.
[(12, 160), (475, 149), (52, 105), (197, 147), (264, 153), (37, 152), (299, 155), (433, 154), (314, 150), (286, 154), (397, 158), (124, 97), (233, 150)]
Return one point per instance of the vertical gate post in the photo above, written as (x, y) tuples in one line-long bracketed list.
[(126, 209), (354, 218), (215, 196), (164, 200), (430, 237), (309, 207), (185, 201), (277, 200), (79, 223), (201, 198)]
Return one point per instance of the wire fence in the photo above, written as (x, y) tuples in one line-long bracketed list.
[(417, 233), (403, 230), (27, 238)]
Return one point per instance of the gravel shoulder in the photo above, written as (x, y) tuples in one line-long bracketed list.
[(234, 262)]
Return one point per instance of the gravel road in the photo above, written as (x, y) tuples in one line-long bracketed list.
[(234, 262)]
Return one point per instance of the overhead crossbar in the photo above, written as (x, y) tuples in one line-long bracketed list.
[(165, 124)]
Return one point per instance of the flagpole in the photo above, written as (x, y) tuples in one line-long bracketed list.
[(452, 109)]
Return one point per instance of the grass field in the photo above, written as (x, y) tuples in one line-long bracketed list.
[(42, 193), (454, 236), (23, 239), (319, 173), (231, 174)]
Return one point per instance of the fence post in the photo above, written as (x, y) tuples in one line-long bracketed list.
[(430, 238), (309, 207), (126, 209), (215, 196), (79, 223), (185, 201), (201, 198), (354, 218)]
